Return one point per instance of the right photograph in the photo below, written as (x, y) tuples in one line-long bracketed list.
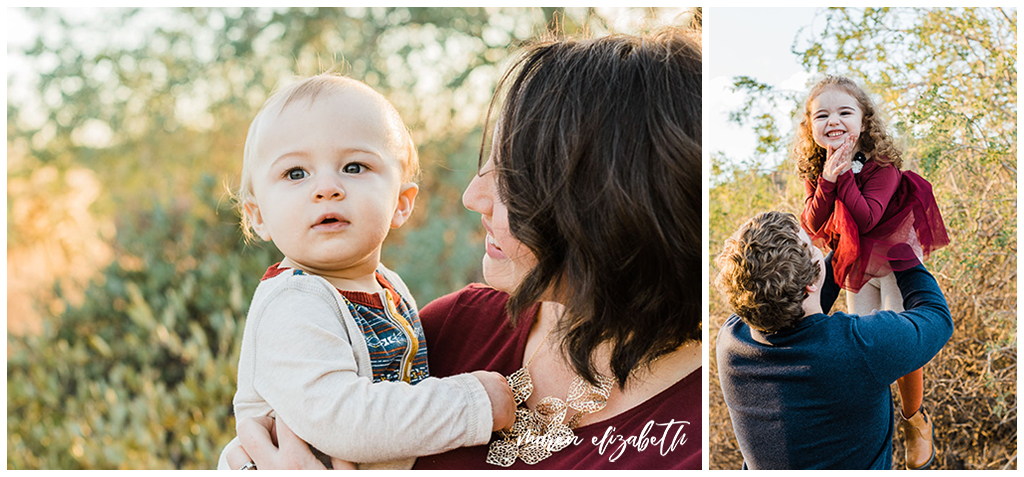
[(863, 238)]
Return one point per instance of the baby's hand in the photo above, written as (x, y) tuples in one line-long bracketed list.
[(503, 405)]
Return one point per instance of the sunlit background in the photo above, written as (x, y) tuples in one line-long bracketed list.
[(128, 279)]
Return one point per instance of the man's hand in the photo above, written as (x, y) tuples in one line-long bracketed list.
[(503, 405), (272, 445)]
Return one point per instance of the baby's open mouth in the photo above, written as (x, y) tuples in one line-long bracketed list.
[(330, 220), (834, 134)]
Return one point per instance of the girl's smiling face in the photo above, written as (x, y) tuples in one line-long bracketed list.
[(835, 116)]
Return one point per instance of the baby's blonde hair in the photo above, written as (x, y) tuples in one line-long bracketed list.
[(309, 88)]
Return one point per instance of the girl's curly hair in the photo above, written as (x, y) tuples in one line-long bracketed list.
[(875, 141)]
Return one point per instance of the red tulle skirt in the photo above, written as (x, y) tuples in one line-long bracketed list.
[(911, 228)]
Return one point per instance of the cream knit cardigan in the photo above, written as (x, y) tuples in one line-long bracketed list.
[(304, 358)]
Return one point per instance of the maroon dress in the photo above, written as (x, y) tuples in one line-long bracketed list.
[(468, 331), (877, 221)]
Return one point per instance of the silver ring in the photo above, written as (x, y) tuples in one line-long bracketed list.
[(248, 466)]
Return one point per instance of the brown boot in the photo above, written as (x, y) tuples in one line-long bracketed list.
[(918, 435)]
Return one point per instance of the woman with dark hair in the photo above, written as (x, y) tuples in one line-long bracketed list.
[(591, 199)]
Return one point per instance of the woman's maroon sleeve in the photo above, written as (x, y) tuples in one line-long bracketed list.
[(819, 204), (867, 203)]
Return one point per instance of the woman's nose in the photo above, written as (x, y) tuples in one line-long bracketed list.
[(479, 195)]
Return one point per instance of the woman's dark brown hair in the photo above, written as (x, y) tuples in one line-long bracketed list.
[(598, 158)]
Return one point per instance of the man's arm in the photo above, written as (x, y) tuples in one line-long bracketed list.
[(921, 293), (829, 290), (898, 343)]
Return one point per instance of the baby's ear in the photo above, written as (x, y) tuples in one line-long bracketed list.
[(406, 202), (252, 211)]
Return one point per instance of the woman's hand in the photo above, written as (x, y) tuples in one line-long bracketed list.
[(235, 455), (838, 160), (272, 445)]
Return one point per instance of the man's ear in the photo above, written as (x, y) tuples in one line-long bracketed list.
[(252, 211), (406, 202)]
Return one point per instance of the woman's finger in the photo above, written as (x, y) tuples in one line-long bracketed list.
[(286, 439), (254, 434), (339, 464), (295, 452), (236, 455)]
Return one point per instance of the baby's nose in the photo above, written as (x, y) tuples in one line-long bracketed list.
[(327, 190)]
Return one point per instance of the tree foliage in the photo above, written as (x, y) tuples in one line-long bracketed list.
[(948, 80)]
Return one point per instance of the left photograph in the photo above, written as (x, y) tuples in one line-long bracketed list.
[(354, 238)]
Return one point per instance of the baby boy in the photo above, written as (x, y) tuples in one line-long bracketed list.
[(332, 342)]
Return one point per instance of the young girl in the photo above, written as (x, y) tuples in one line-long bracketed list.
[(874, 217)]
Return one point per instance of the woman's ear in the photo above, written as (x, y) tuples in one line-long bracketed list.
[(406, 202), (252, 211)]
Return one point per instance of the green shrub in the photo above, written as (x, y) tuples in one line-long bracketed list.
[(141, 375)]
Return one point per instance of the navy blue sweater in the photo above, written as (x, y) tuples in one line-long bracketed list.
[(816, 396)]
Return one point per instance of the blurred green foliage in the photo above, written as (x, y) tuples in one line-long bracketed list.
[(141, 374), (947, 78), (152, 107)]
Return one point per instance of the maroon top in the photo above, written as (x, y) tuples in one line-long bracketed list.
[(468, 331), (865, 196), (876, 221)]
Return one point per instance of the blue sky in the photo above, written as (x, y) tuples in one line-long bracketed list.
[(753, 42)]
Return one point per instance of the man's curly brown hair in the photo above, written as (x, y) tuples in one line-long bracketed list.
[(764, 271), (874, 141)]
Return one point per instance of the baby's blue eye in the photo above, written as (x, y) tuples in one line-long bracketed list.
[(354, 168), (296, 174)]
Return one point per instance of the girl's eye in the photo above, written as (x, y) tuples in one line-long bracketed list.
[(354, 168), (296, 174)]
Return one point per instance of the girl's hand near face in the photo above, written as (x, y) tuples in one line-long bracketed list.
[(839, 160)]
